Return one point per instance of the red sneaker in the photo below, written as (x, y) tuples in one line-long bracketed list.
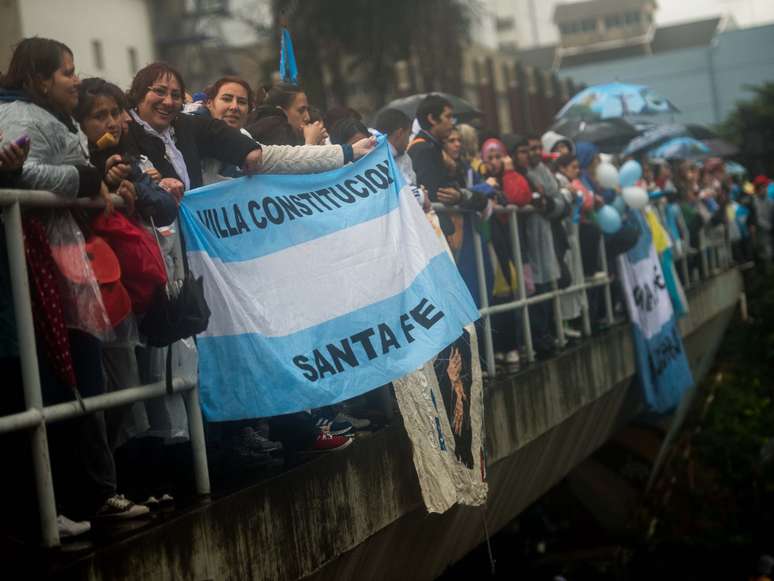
[(326, 442)]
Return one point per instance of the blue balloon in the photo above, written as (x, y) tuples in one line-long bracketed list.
[(630, 173), (620, 204), (609, 219)]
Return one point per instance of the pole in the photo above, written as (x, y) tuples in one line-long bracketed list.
[(33, 399)]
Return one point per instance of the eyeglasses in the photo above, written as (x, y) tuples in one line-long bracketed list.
[(162, 92)]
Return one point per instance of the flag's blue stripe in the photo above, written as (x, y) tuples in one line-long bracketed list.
[(257, 242), (664, 372), (247, 376)]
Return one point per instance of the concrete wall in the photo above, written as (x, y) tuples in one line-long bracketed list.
[(704, 83), (119, 26), (359, 514), (10, 30)]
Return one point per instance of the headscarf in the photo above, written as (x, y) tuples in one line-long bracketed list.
[(174, 155), (490, 145)]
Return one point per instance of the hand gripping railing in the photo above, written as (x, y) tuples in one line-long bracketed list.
[(36, 415), (714, 256)]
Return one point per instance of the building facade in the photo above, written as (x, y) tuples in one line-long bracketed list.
[(524, 23), (705, 82), (594, 26), (109, 38)]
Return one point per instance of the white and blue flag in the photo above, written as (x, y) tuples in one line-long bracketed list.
[(663, 369), (322, 287)]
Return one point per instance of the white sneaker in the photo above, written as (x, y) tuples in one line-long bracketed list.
[(120, 507), (571, 333), (357, 423), (70, 528), (512, 359)]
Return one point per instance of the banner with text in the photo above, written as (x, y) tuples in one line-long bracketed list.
[(321, 287), (662, 366)]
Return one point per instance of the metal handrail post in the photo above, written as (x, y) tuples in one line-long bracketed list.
[(608, 295), (195, 423), (580, 277), (684, 267), (558, 322), (513, 224), (484, 298), (33, 398), (198, 443), (704, 273)]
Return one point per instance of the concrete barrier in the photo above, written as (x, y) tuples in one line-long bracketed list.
[(359, 514)]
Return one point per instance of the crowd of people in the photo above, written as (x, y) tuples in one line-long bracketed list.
[(94, 275)]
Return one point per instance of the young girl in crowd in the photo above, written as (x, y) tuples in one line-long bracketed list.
[(39, 95), (101, 113)]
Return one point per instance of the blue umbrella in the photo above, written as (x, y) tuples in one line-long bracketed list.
[(615, 100), (681, 148)]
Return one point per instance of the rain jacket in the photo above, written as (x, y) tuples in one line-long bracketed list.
[(58, 159), (541, 252)]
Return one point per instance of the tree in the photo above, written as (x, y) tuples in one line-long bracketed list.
[(751, 127), (351, 45)]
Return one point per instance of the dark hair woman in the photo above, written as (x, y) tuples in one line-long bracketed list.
[(293, 102), (230, 99), (100, 112), (38, 96)]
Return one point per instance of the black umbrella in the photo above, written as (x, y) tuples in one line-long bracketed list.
[(464, 110), (700, 132), (654, 135), (610, 135)]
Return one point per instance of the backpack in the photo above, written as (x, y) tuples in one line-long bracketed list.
[(143, 271)]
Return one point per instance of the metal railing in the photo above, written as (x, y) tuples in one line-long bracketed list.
[(36, 415), (713, 252)]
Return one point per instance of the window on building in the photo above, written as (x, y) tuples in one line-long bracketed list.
[(134, 64), (505, 24), (632, 18), (614, 21), (99, 57), (588, 25), (206, 6), (570, 27)]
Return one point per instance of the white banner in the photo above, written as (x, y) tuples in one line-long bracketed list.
[(442, 405)]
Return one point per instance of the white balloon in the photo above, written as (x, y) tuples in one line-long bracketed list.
[(635, 196), (607, 176)]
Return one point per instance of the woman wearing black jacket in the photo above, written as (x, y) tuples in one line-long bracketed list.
[(176, 144)]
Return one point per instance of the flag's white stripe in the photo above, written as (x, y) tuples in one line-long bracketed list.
[(310, 283), (642, 273)]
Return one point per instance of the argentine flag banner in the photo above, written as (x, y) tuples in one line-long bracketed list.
[(322, 287), (662, 366)]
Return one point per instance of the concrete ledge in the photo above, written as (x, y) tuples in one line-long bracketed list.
[(358, 513)]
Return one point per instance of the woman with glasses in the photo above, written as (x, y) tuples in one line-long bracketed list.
[(176, 144)]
